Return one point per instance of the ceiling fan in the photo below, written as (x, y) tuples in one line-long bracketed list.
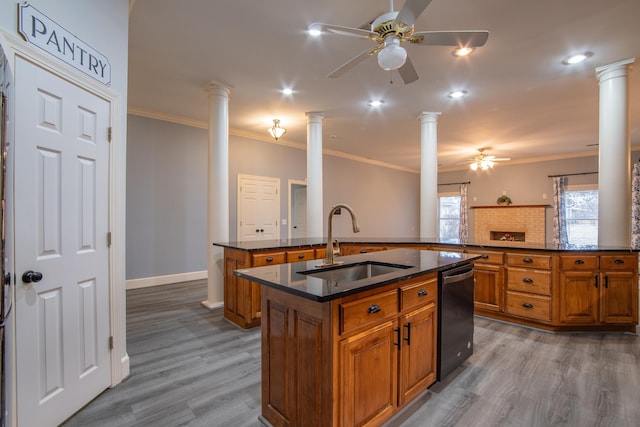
[(389, 30), (484, 162)]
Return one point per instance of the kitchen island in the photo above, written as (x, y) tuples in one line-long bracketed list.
[(349, 344), (560, 289)]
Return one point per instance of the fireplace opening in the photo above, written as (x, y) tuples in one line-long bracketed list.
[(508, 236)]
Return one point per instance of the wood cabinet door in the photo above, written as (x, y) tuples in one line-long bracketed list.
[(418, 352), (368, 375), (618, 302), (489, 287), (578, 299)]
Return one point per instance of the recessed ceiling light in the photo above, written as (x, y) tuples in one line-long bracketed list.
[(577, 58), (457, 94), (376, 103), (463, 51), (287, 91), (315, 30)]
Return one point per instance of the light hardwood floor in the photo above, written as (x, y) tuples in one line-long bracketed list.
[(190, 367)]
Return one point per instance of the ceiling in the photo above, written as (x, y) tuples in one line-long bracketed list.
[(521, 101)]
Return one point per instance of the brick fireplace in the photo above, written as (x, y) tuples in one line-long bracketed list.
[(523, 223)]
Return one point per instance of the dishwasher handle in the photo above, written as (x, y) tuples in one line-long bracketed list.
[(457, 277)]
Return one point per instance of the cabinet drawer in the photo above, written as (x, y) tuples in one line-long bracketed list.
[(368, 310), (528, 305), (321, 253), (301, 255), (258, 260), (528, 260), (418, 293), (618, 262), (579, 262), (529, 280), (489, 257)]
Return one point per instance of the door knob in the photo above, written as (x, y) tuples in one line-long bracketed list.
[(31, 276)]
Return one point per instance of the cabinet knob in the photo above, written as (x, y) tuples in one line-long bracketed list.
[(269, 259), (527, 280), (363, 251), (527, 260), (579, 261), (300, 256), (619, 261), (484, 256), (422, 293), (373, 308), (527, 305)]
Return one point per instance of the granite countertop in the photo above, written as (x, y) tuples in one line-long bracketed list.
[(410, 263), (455, 245)]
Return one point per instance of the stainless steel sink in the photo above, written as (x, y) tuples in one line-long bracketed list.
[(353, 272)]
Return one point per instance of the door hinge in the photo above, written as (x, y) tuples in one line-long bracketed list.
[(109, 130), (108, 239), (111, 342)]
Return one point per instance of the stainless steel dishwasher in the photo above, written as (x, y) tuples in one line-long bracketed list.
[(455, 319)]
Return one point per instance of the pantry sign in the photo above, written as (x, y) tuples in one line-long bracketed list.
[(43, 32)]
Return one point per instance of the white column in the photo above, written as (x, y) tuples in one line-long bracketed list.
[(314, 175), (429, 175), (614, 182), (218, 191)]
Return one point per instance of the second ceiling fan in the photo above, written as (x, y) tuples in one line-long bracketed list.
[(389, 30)]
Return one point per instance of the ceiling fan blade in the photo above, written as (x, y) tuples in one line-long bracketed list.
[(408, 72), (343, 31), (450, 38), (351, 63), (410, 11)]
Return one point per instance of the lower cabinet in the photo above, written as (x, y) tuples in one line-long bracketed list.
[(242, 297), (489, 281), (368, 384), (598, 290), (354, 361)]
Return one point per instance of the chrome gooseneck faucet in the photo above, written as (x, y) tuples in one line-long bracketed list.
[(329, 256)]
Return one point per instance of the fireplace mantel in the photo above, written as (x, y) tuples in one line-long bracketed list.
[(509, 206)]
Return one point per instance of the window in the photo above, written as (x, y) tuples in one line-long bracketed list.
[(449, 216), (581, 213)]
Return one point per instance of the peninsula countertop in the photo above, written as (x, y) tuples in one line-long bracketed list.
[(261, 245), (298, 278)]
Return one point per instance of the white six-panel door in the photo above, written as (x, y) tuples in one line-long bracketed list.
[(61, 225), (258, 208)]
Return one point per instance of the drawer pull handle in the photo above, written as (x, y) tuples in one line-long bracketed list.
[(373, 308), (527, 280), (619, 261), (484, 256), (422, 293), (606, 282), (397, 331), (527, 260), (579, 261), (527, 305), (269, 259), (597, 281), (363, 251), (300, 256)]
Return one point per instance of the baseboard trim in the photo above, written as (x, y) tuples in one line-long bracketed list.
[(147, 282)]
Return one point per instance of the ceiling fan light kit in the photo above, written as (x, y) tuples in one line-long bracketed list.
[(392, 56), (389, 30)]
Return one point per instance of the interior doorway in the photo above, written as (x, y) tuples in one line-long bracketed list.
[(297, 209)]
